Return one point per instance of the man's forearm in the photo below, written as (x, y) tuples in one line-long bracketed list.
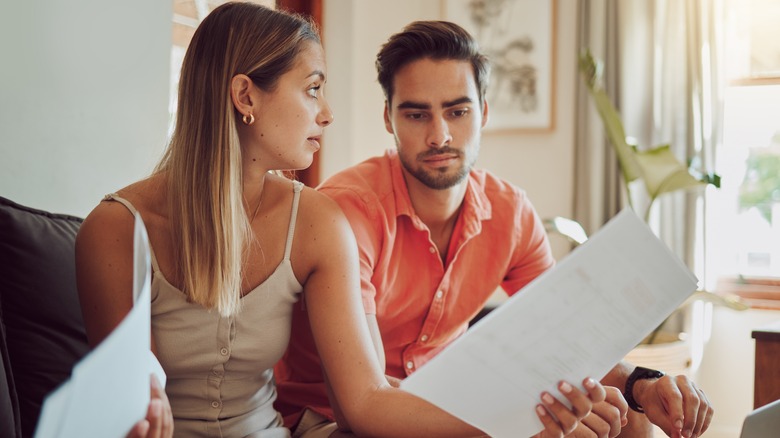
[(618, 375)]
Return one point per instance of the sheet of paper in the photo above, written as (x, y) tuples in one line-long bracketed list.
[(108, 390), (577, 320)]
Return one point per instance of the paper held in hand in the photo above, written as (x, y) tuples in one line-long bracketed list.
[(108, 391), (576, 320)]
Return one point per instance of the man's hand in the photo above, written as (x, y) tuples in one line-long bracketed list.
[(605, 419), (674, 404)]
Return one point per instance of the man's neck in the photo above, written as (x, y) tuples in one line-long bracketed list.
[(438, 209)]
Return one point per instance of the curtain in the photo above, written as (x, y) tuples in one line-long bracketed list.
[(597, 189), (662, 71)]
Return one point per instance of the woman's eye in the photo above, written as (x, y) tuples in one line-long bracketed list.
[(313, 91)]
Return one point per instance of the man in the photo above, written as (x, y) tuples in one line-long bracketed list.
[(436, 237)]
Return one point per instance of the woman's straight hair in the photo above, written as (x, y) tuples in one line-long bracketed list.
[(202, 163)]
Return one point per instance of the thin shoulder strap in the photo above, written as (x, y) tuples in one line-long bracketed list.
[(133, 210), (297, 187)]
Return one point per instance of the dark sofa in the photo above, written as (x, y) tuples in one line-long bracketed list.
[(41, 331)]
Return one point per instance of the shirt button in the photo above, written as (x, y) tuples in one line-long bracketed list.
[(215, 404), (224, 351), (424, 338), (410, 364), (215, 372), (432, 250), (439, 294)]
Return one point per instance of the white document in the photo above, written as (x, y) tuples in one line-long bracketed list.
[(576, 320), (108, 391)]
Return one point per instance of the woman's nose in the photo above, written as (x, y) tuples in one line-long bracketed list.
[(325, 116)]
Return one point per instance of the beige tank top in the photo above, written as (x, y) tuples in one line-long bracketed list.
[(220, 369)]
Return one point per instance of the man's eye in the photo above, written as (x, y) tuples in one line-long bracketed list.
[(415, 116), (460, 112)]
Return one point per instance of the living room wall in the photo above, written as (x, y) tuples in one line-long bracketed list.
[(83, 100), (83, 109)]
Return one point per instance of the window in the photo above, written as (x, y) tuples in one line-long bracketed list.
[(743, 217)]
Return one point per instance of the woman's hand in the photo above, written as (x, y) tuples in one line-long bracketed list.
[(159, 418), (606, 419), (559, 420)]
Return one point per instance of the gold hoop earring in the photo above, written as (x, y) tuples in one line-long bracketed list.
[(250, 120)]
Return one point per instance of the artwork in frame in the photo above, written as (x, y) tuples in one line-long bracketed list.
[(519, 38)]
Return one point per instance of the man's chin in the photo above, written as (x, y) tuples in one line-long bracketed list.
[(441, 182)]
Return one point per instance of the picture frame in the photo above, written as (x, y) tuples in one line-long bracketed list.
[(519, 38)]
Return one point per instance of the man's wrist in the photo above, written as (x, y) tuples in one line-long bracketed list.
[(638, 378)]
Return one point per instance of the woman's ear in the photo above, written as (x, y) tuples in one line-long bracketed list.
[(241, 94)]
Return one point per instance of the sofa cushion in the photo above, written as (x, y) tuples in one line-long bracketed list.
[(39, 303), (10, 425)]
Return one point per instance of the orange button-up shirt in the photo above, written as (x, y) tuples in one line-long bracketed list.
[(421, 304)]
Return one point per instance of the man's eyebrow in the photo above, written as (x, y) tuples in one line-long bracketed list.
[(425, 106), (414, 105), (458, 101)]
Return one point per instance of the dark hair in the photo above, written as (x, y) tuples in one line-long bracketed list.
[(435, 40)]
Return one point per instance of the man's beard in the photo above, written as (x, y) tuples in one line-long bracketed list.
[(438, 179)]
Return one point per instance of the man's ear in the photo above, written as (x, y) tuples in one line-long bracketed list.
[(484, 112), (240, 93), (388, 125)]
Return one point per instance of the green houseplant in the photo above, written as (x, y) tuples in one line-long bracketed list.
[(657, 168)]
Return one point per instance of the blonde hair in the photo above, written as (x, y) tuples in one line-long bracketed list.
[(210, 226)]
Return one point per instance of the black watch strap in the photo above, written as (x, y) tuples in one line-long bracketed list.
[(639, 373)]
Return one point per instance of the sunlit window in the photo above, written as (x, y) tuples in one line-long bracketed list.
[(743, 216)]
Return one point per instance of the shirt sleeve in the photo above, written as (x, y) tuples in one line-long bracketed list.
[(532, 254), (365, 221)]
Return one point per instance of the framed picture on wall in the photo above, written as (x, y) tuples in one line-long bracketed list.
[(519, 38)]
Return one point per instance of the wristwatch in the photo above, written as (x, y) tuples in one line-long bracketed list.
[(639, 373)]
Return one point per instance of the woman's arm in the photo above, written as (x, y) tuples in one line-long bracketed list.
[(369, 403), (104, 269), (104, 276)]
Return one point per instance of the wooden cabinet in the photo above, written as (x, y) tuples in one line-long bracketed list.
[(766, 385)]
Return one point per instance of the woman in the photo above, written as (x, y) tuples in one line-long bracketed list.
[(234, 246)]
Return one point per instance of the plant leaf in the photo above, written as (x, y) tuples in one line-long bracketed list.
[(613, 126), (662, 172)]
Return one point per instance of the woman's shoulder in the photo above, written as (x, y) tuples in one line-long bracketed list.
[(322, 233), (320, 207), (110, 217), (320, 219), (311, 203)]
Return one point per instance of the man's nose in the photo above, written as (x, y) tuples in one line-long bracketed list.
[(439, 133)]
